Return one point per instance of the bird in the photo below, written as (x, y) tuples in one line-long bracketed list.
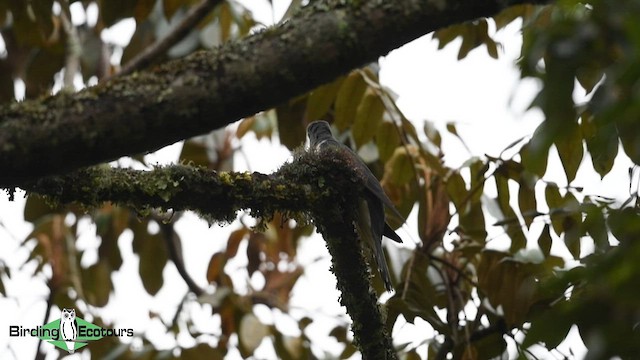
[(371, 223)]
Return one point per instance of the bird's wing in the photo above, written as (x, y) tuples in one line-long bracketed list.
[(388, 232), (371, 227), (373, 185)]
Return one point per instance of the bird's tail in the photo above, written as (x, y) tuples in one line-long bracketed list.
[(382, 266)]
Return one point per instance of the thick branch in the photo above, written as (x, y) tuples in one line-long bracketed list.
[(323, 185), (207, 90), (188, 23)]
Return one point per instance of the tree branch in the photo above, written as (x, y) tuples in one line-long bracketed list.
[(324, 186), (146, 57), (207, 90)]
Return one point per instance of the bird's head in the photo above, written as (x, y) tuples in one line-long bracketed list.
[(318, 131)]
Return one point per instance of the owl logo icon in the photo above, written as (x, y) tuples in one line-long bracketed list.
[(69, 328)]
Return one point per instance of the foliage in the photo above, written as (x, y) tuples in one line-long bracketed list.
[(523, 295)]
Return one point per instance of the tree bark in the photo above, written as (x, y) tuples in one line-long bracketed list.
[(145, 111)]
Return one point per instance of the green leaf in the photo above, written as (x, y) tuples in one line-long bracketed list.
[(348, 99), (594, 224), (96, 283), (36, 207), (571, 229), (624, 224), (554, 202), (368, 118), (602, 144), (570, 149), (550, 327), (589, 76), (628, 129), (502, 186), (457, 190), (387, 140), (545, 241), (321, 99), (291, 129), (195, 153), (535, 153), (112, 11), (153, 257), (527, 202), (432, 133), (400, 166), (473, 224)]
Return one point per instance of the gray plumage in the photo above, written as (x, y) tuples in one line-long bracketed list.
[(371, 222)]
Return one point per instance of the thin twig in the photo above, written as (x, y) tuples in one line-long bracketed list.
[(171, 240), (73, 49), (146, 57)]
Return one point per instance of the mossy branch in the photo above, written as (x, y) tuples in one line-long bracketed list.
[(321, 187), (207, 90)]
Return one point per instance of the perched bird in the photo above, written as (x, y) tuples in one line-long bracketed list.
[(371, 222)]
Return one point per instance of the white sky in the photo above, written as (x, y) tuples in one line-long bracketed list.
[(483, 96)]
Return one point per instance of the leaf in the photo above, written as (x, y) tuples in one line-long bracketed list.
[(451, 127), (321, 99), (602, 144), (545, 241), (96, 283), (112, 11), (291, 129), (511, 13), (245, 125), (535, 153), (216, 267), (251, 333), (169, 7), (627, 130), (41, 10), (432, 133), (194, 153), (570, 149), (508, 283), (589, 77), (201, 351), (233, 243), (399, 169), (527, 202), (153, 257), (225, 19), (143, 9), (550, 327), (144, 36), (36, 207), (111, 221), (502, 187), (624, 224), (41, 68), (348, 99), (368, 118), (491, 346), (554, 202), (387, 140), (477, 35), (473, 224), (594, 224)]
